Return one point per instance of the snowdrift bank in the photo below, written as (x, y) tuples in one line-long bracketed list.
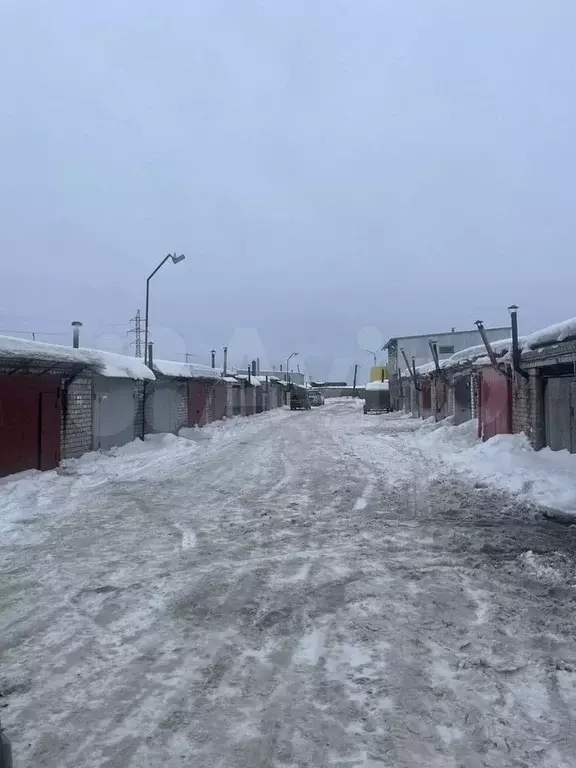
[(507, 462)]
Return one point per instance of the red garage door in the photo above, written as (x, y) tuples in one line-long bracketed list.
[(29, 423), (197, 399), (494, 406)]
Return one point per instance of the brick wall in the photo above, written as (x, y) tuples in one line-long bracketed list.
[(183, 404), (450, 399), (140, 388), (527, 408), (76, 417)]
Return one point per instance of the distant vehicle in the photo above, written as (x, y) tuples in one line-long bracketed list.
[(377, 398), (299, 399), (316, 397)]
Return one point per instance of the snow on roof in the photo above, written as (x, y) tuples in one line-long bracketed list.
[(107, 364), (252, 380), (230, 379), (23, 349), (116, 366), (553, 333), (383, 385), (178, 370)]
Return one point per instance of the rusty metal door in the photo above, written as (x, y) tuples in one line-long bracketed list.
[(220, 396), (425, 398), (29, 423), (197, 400), (559, 409), (49, 402), (441, 399), (462, 400), (495, 407)]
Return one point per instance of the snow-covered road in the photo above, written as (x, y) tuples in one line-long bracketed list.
[(299, 589)]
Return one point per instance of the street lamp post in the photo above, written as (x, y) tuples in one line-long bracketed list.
[(373, 355), (175, 260), (294, 354)]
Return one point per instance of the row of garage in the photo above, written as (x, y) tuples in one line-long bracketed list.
[(58, 403), (539, 399)]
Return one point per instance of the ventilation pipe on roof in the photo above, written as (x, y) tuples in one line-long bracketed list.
[(76, 325), (258, 366), (516, 351), (411, 369), (434, 350), (213, 356), (254, 368), (150, 362), (418, 387), (225, 363), (480, 325)]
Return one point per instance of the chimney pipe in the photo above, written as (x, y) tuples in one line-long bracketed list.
[(76, 325), (434, 350), (258, 366), (516, 353), (150, 362), (480, 325), (254, 368), (225, 365), (213, 356)]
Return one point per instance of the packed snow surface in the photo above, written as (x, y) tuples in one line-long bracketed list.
[(318, 588)]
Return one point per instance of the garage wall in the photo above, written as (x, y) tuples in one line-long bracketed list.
[(166, 405), (76, 421), (113, 412), (30, 418)]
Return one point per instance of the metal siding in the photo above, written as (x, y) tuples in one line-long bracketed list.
[(29, 434), (559, 404), (49, 453), (166, 402), (113, 413), (495, 405), (462, 400), (220, 397)]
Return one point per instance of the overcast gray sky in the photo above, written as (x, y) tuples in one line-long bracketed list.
[(327, 166)]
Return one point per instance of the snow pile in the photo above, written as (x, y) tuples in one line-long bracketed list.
[(178, 370), (507, 462), (107, 364), (553, 333), (28, 495), (378, 385)]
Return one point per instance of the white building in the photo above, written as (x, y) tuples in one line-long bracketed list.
[(447, 343)]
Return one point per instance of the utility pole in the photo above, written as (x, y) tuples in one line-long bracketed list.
[(137, 331), (354, 384)]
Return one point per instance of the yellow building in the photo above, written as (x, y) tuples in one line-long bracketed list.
[(378, 373)]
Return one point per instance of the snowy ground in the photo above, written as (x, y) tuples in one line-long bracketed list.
[(310, 589)]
